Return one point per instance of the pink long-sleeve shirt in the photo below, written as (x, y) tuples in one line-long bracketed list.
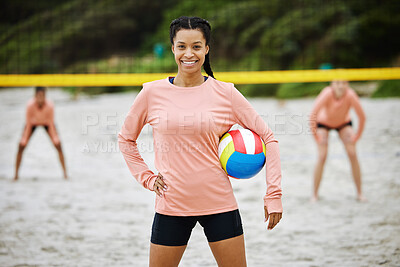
[(334, 112), (39, 116), (187, 124)]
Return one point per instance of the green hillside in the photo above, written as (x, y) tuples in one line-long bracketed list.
[(109, 36)]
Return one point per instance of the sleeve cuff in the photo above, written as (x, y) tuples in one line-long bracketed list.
[(273, 205), (151, 181)]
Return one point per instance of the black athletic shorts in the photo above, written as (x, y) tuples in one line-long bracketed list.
[(320, 125), (175, 230)]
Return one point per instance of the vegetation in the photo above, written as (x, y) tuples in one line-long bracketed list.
[(294, 90), (258, 90), (388, 88), (109, 36)]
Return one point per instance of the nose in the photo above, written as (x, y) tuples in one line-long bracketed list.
[(188, 52)]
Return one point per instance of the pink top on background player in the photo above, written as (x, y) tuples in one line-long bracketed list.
[(187, 124), (40, 116), (334, 112)]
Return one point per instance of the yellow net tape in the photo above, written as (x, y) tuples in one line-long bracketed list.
[(251, 77)]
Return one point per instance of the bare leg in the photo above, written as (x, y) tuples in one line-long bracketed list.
[(21, 147), (323, 135), (229, 252), (18, 161), (346, 135), (61, 156), (165, 256)]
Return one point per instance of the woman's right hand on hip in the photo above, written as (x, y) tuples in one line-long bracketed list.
[(160, 186)]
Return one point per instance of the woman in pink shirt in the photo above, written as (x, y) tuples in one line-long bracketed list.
[(331, 111), (39, 112), (189, 113)]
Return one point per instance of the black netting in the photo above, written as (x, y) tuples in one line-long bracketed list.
[(131, 36)]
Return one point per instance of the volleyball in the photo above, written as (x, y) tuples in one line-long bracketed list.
[(241, 153)]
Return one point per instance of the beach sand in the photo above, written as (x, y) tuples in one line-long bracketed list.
[(102, 217)]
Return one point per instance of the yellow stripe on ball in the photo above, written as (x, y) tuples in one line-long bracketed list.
[(264, 149), (226, 153)]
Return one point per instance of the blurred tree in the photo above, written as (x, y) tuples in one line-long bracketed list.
[(51, 36), (14, 11)]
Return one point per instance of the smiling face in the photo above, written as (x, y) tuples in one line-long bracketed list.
[(189, 49), (339, 87)]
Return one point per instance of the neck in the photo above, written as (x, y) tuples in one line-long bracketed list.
[(188, 79), (338, 95), (40, 105)]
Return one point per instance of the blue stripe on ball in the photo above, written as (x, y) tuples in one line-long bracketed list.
[(244, 166)]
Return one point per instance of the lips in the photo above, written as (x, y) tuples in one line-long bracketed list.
[(188, 63)]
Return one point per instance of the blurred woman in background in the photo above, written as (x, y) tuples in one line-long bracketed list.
[(331, 111), (39, 112)]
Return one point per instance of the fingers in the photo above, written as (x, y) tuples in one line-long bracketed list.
[(160, 181), (274, 219), (266, 214), (160, 186), (272, 222)]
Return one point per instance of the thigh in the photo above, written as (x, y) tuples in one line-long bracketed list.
[(169, 238), (222, 226), (229, 252), (323, 136), (26, 136), (52, 132), (171, 230), (165, 256), (346, 135)]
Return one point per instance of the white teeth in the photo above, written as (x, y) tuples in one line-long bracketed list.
[(189, 62)]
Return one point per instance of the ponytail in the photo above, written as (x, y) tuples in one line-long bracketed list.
[(207, 66)]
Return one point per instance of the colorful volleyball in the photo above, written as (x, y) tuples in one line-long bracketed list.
[(241, 153)]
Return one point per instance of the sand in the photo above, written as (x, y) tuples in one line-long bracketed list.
[(102, 217)]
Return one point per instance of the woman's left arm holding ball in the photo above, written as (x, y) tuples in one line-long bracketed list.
[(247, 117)]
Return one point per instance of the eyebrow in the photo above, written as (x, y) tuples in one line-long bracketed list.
[(197, 42)]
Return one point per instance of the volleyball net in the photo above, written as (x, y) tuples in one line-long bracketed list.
[(253, 77), (126, 43)]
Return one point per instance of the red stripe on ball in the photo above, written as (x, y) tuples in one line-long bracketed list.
[(258, 144), (238, 141)]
